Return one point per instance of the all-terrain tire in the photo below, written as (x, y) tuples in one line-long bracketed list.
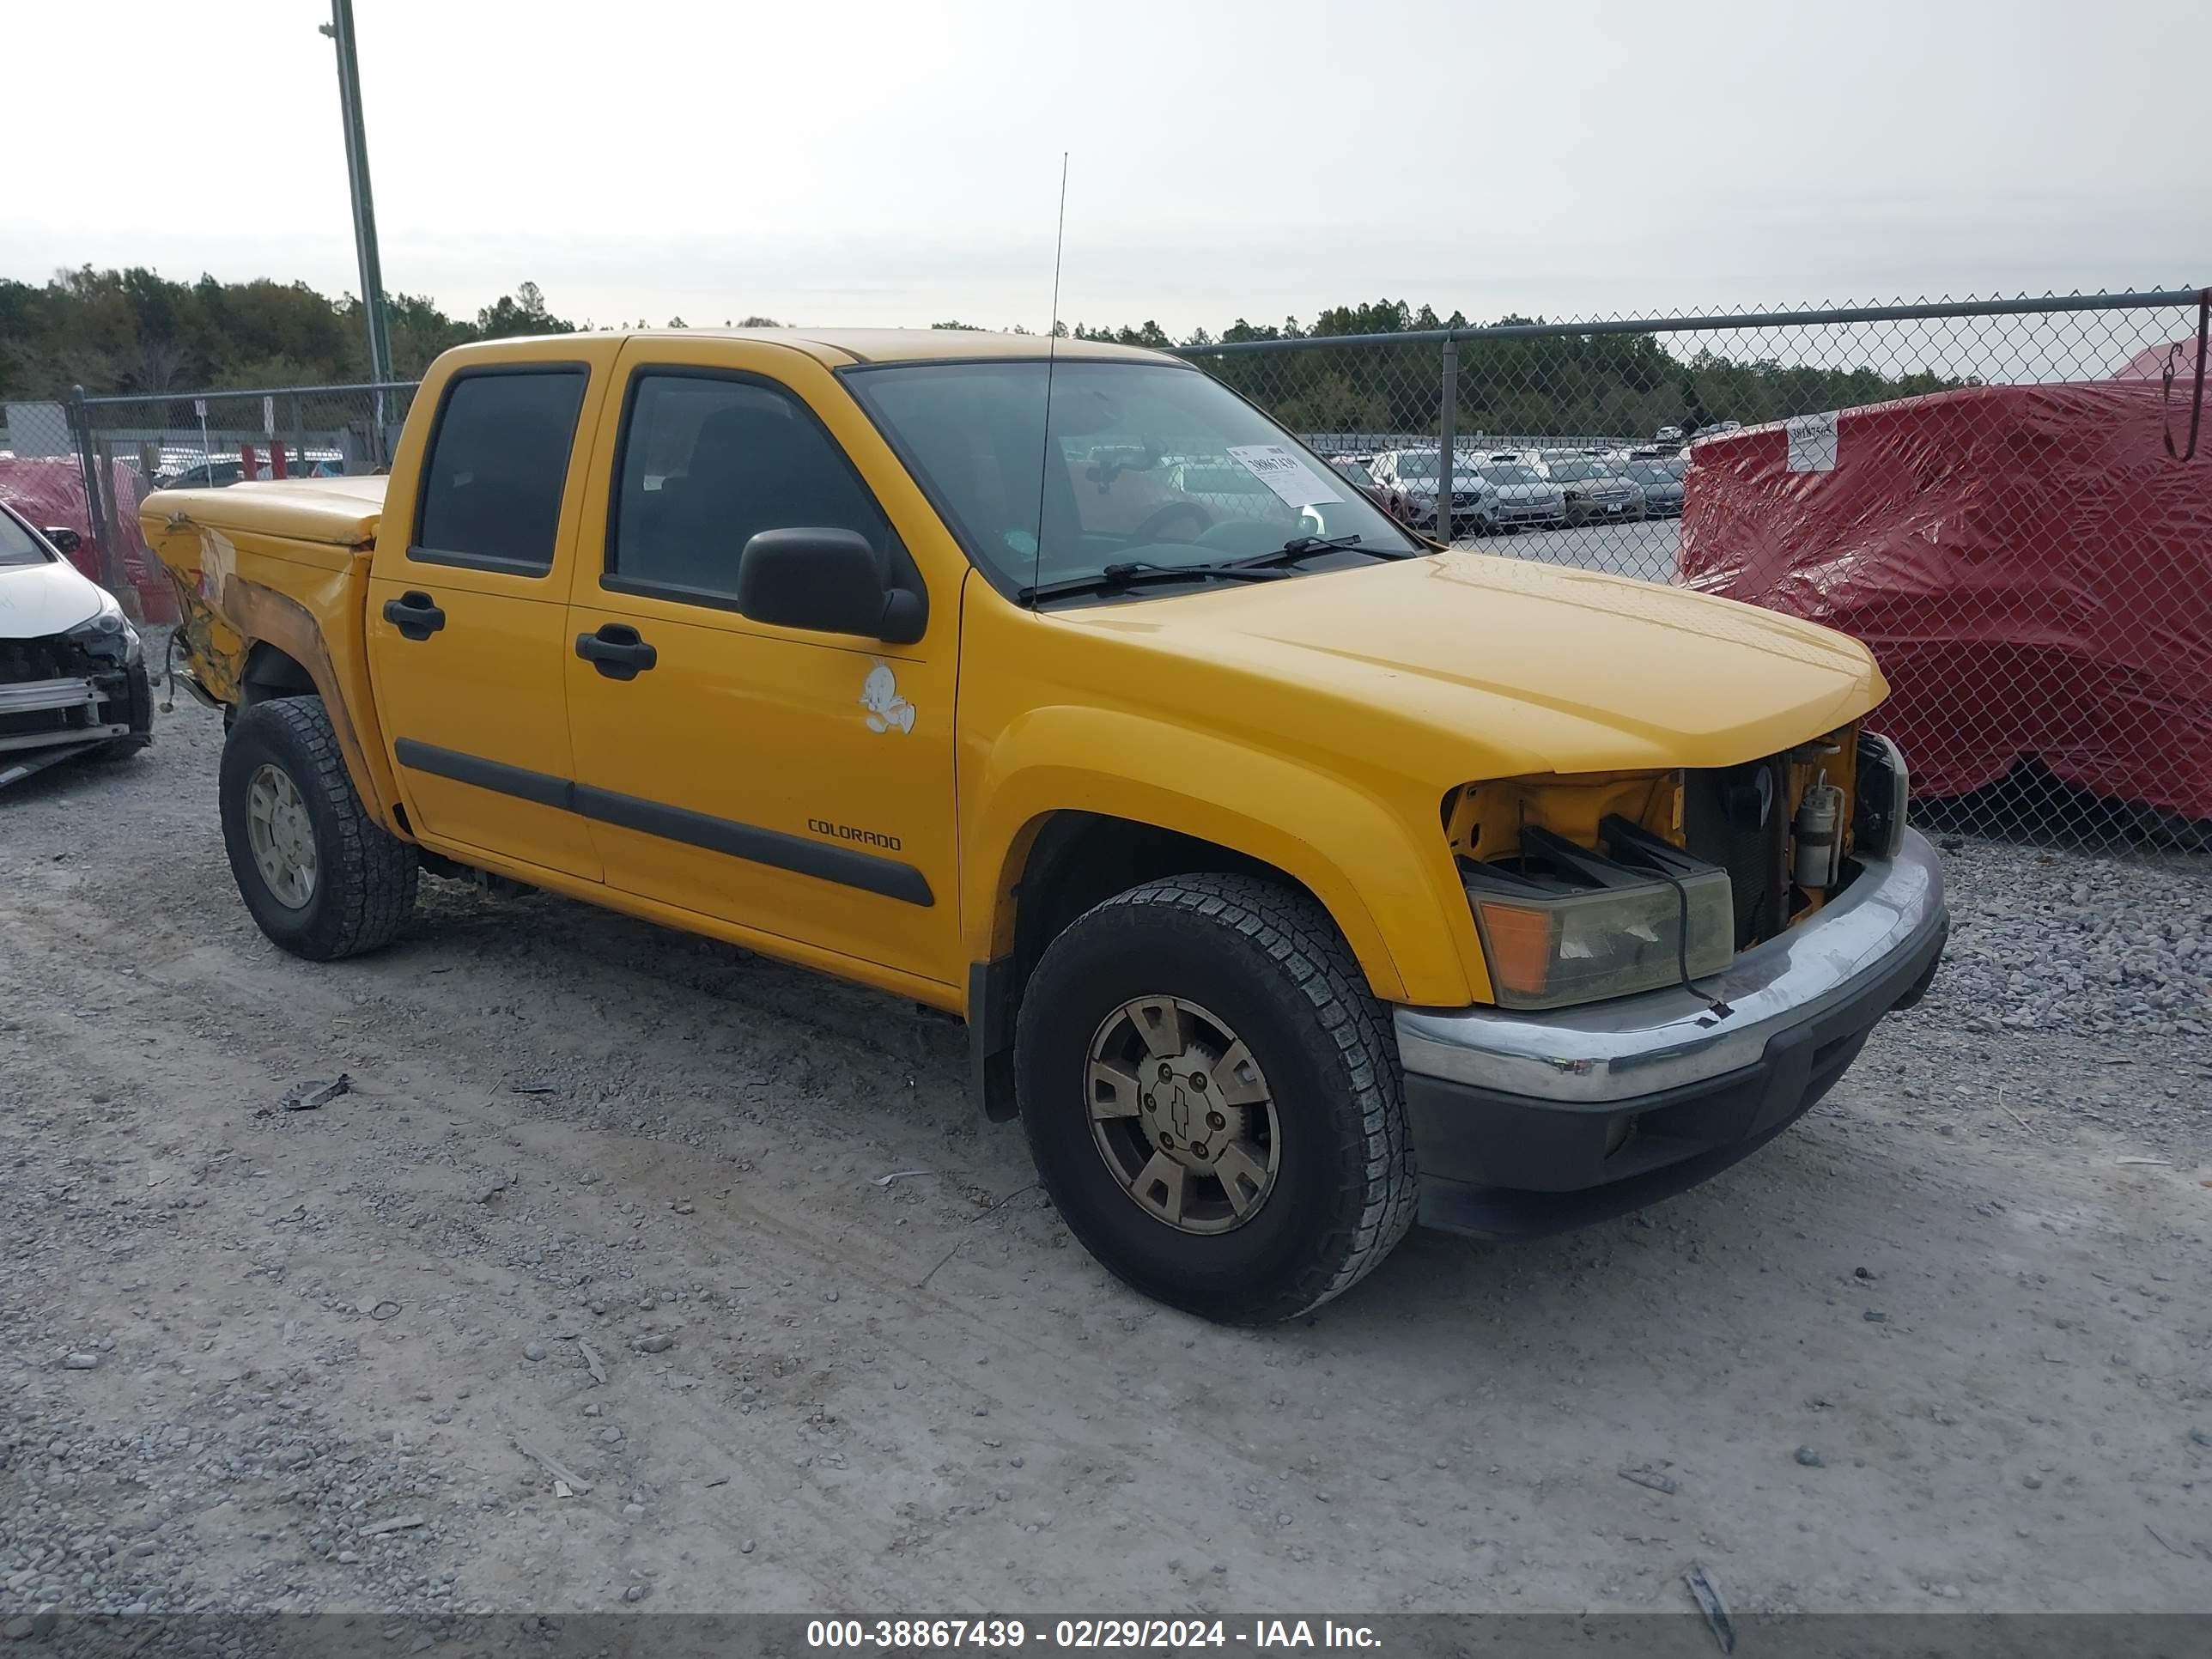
[(365, 877), (1269, 961)]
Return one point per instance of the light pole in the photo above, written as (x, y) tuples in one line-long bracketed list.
[(340, 29)]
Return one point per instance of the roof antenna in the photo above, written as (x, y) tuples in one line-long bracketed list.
[(1051, 352)]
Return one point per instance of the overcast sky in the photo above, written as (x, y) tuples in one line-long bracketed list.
[(897, 161)]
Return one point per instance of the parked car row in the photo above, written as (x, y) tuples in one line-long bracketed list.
[(1507, 490), (191, 470)]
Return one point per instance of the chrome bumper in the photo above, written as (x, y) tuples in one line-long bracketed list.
[(1634, 1047)]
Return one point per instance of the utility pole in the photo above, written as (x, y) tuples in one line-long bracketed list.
[(340, 29)]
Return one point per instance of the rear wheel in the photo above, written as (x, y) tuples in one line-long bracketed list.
[(1213, 1098), (322, 878)]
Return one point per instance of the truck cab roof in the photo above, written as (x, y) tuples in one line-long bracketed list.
[(838, 348)]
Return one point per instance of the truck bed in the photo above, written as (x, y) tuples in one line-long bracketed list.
[(329, 512), (273, 579)]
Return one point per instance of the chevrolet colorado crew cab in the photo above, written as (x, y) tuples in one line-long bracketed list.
[(1296, 877)]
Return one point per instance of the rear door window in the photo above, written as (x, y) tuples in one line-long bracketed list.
[(499, 460)]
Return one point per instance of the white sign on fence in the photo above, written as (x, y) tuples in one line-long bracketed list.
[(268, 415), (1812, 442), (199, 409)]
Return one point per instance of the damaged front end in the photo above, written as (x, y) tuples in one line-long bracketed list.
[(1683, 963), (66, 693)]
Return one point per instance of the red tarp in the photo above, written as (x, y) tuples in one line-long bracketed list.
[(2031, 570), (2151, 364), (50, 490)]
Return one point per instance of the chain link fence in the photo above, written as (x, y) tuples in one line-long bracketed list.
[(86, 463), (2008, 501), (2005, 499)]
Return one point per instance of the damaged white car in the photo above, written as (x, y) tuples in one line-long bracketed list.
[(72, 673)]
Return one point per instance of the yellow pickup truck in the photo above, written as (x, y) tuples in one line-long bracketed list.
[(1295, 877)]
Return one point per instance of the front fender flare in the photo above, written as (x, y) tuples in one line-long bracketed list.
[(1388, 893)]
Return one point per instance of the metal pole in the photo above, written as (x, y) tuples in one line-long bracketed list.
[(340, 29), (99, 498), (1447, 464)]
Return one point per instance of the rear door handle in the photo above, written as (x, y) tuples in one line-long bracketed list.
[(617, 651), (414, 614)]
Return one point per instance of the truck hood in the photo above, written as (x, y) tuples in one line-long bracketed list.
[(1510, 667), (39, 599)]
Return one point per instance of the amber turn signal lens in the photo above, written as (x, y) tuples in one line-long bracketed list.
[(1520, 946)]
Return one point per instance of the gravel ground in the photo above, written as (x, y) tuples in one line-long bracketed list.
[(635, 1270)]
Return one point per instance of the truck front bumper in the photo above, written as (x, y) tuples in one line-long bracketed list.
[(1532, 1123)]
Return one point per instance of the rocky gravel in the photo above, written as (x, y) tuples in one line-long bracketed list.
[(2083, 977), (2088, 945), (631, 1272)]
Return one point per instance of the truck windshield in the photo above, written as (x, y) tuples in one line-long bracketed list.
[(1150, 464)]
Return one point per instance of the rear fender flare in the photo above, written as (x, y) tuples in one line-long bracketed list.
[(262, 616)]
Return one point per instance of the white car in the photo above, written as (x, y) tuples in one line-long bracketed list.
[(1412, 474), (72, 673)]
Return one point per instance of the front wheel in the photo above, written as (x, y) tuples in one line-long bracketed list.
[(323, 879), (1213, 1098)]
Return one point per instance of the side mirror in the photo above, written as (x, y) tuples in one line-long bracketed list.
[(829, 581), (65, 539)]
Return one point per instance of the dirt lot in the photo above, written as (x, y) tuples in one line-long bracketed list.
[(1947, 1345)]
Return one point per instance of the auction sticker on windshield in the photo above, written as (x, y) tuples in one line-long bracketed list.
[(1284, 473)]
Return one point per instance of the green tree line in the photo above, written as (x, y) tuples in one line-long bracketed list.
[(133, 331), (1568, 383)]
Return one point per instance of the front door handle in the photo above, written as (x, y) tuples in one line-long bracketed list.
[(617, 651), (414, 614)]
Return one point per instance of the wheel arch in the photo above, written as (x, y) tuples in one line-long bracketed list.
[(1051, 840), (1060, 864), (269, 671), (283, 653)]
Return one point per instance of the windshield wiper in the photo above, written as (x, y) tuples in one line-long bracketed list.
[(1300, 547), (1139, 573), (1257, 567)]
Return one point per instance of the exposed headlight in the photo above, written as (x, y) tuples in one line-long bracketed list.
[(1883, 795), (107, 632), (1566, 925)]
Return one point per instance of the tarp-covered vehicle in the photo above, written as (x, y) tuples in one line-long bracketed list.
[(2031, 567), (49, 490), (72, 674)]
